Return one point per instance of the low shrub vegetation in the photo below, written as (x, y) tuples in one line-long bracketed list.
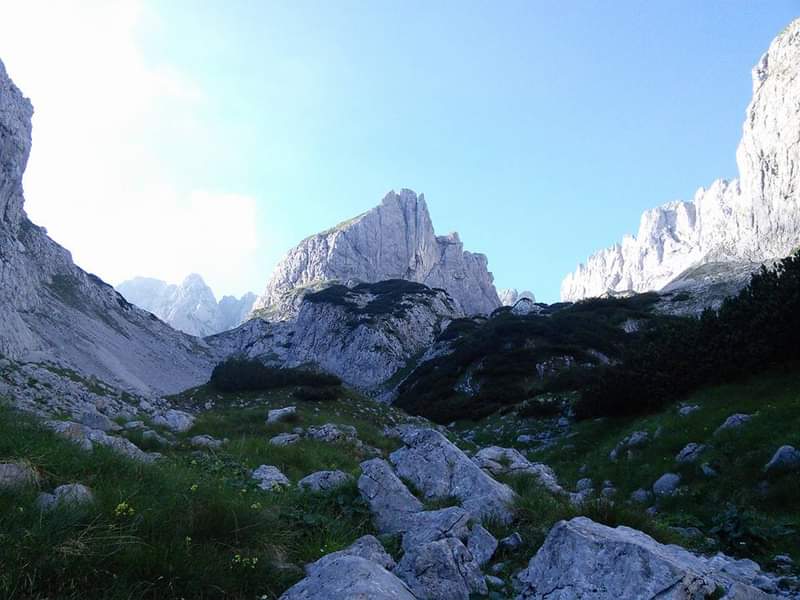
[(240, 375)]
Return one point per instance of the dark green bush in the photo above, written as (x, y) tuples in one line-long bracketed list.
[(316, 394), (240, 375)]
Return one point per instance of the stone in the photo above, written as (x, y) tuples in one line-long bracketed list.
[(733, 422), (785, 459), (324, 481), (499, 461), (510, 296), (391, 504), (685, 411), (285, 439), (367, 547), (349, 577), (190, 306), (636, 440), (332, 433), (440, 470), (74, 495), (481, 544), (583, 484), (430, 526), (441, 570), (667, 484), (690, 453), (131, 425), (708, 470), (155, 437), (641, 496), (15, 475), (583, 559), (206, 441), (512, 542), (394, 240), (96, 420), (270, 478), (744, 221), (277, 415)]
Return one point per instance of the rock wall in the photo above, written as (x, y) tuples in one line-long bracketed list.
[(395, 240), (189, 307), (51, 310), (751, 219)]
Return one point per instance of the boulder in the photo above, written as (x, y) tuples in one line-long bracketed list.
[(323, 481), (512, 542), (733, 422), (481, 544), (690, 453), (583, 559), (285, 439), (641, 496), (348, 577), (686, 410), (175, 420), (441, 570), (281, 414), (440, 470), (508, 461), (206, 441), (270, 478), (96, 420), (635, 440), (368, 547), (389, 500), (785, 459), (333, 433), (430, 526), (666, 484), (15, 475), (74, 495)]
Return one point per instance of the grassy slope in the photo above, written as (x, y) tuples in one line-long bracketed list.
[(191, 514)]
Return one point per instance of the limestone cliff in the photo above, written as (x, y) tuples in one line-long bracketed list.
[(395, 240), (751, 219)]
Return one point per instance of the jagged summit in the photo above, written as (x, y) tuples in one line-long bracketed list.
[(747, 220), (394, 240), (190, 307)]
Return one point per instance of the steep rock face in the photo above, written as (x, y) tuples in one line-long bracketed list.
[(752, 219), (51, 310), (189, 307), (395, 240), (510, 296), (364, 334)]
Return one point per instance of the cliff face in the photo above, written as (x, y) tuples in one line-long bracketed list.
[(754, 218), (51, 310), (189, 307), (395, 240)]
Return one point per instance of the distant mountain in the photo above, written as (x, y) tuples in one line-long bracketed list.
[(53, 312), (189, 307), (750, 220), (510, 296), (394, 240)]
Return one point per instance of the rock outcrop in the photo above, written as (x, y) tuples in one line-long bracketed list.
[(51, 310), (510, 296), (583, 559), (364, 334), (395, 240), (748, 220), (189, 307)]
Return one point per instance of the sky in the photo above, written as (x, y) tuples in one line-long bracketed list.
[(183, 136)]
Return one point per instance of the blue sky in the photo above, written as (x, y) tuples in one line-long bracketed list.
[(538, 130)]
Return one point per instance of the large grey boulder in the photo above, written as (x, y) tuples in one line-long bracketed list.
[(481, 544), (499, 461), (393, 507), (284, 439), (439, 470), (348, 578), (690, 453), (324, 481), (175, 420), (74, 495), (627, 445), (667, 484), (96, 420), (86, 438), (15, 475), (733, 422), (786, 458), (276, 415), (270, 478), (430, 526), (332, 433), (441, 570), (368, 547), (583, 559)]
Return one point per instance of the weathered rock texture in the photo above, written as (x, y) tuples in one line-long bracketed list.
[(395, 240), (510, 296), (748, 220), (189, 307), (51, 310), (364, 333)]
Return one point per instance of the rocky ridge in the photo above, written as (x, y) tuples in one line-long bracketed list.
[(751, 219), (189, 307), (395, 240), (53, 311), (510, 296)]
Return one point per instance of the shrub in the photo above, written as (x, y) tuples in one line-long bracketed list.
[(238, 375), (315, 394)]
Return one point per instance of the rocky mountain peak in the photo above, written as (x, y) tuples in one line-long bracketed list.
[(751, 219), (394, 240), (16, 112)]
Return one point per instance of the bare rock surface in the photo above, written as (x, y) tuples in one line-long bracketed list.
[(323, 481), (392, 505), (508, 461)]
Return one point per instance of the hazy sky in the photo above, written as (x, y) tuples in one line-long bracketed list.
[(180, 136)]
